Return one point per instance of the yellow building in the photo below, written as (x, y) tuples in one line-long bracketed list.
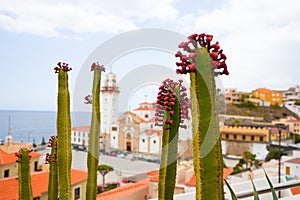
[(9, 166), (274, 97), (238, 139)]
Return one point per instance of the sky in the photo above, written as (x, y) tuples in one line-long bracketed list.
[(260, 39)]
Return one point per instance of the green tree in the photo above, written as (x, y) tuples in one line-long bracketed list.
[(274, 154), (103, 170), (246, 163)]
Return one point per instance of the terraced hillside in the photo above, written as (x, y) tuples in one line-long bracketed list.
[(268, 113)]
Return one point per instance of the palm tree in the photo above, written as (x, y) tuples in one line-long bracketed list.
[(103, 170)]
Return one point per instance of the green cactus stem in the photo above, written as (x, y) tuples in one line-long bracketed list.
[(51, 159), (204, 61), (63, 124), (25, 190), (94, 148), (171, 111)]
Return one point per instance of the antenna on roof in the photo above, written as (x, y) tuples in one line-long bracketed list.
[(9, 128)]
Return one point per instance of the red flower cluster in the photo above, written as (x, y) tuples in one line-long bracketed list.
[(19, 155), (52, 158), (187, 63), (166, 100), (97, 66), (62, 66)]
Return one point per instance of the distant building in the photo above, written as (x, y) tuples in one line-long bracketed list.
[(39, 181), (80, 136), (291, 122), (238, 139), (292, 94), (235, 97), (274, 97), (10, 146)]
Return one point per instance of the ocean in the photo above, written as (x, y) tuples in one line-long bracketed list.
[(32, 126)]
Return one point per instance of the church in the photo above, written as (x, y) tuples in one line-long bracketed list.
[(133, 131)]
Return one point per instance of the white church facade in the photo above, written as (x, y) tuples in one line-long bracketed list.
[(133, 131)]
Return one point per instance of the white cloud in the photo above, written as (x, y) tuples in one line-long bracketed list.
[(260, 39), (51, 18)]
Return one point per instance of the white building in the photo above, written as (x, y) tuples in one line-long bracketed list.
[(109, 103)]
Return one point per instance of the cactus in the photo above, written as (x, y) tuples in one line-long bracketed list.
[(63, 124), (94, 148), (171, 110), (25, 190), (51, 159), (204, 61)]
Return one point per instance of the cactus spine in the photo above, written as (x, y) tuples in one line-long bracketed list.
[(25, 190), (94, 148), (63, 124), (170, 104), (51, 159), (204, 61)]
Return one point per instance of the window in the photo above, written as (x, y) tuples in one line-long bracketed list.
[(78, 134), (114, 137), (234, 137), (78, 139), (244, 137), (227, 136), (74, 133), (77, 193), (252, 138), (154, 141), (83, 134), (143, 140), (146, 115), (6, 173), (261, 138), (36, 166), (114, 128), (287, 170)]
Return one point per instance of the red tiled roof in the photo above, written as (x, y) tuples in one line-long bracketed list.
[(8, 158), (295, 190), (265, 90), (122, 191), (294, 160), (9, 186), (81, 129), (192, 181)]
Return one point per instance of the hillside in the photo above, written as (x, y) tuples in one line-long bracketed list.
[(268, 113)]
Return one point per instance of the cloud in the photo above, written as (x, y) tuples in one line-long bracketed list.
[(53, 18), (260, 39)]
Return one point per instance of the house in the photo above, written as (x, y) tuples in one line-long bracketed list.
[(274, 97), (292, 122), (9, 166), (234, 96), (39, 181), (292, 168)]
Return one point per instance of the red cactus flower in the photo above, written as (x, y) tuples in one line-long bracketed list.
[(166, 100), (63, 67), (187, 62), (97, 66)]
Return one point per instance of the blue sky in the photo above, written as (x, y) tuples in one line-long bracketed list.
[(260, 38)]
